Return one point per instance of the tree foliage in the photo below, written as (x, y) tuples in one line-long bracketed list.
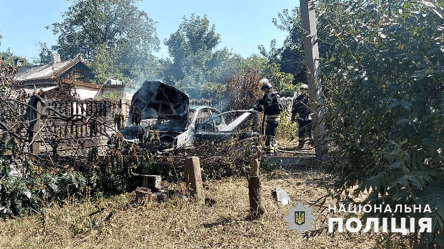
[(384, 102), (195, 60), (8, 57), (291, 55), (45, 54), (115, 32)]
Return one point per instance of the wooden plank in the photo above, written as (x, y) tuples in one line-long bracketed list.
[(35, 147), (292, 161)]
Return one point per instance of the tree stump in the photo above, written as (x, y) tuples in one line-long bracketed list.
[(254, 188), (254, 192), (254, 167)]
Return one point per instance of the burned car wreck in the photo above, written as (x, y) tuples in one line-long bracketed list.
[(161, 115)]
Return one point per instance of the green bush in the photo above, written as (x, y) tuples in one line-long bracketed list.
[(384, 103), (267, 166), (286, 130), (92, 178)]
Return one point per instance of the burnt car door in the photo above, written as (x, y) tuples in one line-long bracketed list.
[(197, 117), (204, 121), (207, 123), (225, 125)]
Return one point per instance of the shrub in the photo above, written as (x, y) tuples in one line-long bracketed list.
[(243, 88), (384, 103)]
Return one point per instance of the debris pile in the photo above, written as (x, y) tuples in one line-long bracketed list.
[(152, 190)]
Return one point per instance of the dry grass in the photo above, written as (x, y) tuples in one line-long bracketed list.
[(180, 223)]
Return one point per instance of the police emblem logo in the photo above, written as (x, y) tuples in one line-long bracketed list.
[(299, 218)]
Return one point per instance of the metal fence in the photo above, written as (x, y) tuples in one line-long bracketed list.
[(223, 105), (218, 104)]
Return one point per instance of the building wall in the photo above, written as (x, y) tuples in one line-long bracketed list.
[(79, 72), (86, 93)]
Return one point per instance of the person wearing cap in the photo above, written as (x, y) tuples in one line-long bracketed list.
[(272, 107), (300, 107)]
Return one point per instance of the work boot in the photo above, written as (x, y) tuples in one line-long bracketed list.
[(301, 144), (311, 143)]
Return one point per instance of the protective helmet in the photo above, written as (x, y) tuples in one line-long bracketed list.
[(304, 86), (265, 84)]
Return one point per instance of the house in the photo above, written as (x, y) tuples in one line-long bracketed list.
[(74, 71)]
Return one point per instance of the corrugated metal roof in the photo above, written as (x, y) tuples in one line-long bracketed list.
[(25, 73), (37, 89)]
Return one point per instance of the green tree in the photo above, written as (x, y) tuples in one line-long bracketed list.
[(45, 54), (98, 28), (290, 56), (9, 57), (195, 60), (105, 66), (384, 104)]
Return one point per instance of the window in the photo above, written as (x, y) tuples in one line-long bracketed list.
[(203, 116)]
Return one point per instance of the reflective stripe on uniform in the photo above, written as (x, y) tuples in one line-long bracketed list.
[(304, 119), (275, 117)]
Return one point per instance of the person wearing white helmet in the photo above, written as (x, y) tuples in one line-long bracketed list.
[(272, 106), (300, 107)]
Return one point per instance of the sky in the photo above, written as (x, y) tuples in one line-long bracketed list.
[(242, 24)]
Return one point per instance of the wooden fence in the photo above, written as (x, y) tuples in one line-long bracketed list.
[(73, 127)]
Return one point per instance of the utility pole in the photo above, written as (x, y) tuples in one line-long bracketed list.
[(308, 16)]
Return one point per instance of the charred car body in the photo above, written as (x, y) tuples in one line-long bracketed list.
[(162, 115)]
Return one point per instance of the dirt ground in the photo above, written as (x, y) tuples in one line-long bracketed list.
[(180, 223)]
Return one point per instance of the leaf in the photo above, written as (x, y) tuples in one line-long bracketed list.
[(403, 142), (395, 165), (405, 104), (394, 104), (434, 195), (402, 121), (375, 181), (419, 178), (432, 51)]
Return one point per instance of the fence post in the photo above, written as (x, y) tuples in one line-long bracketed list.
[(123, 108), (35, 147), (193, 177)]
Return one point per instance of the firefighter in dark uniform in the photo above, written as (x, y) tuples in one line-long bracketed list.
[(271, 106), (300, 106)]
